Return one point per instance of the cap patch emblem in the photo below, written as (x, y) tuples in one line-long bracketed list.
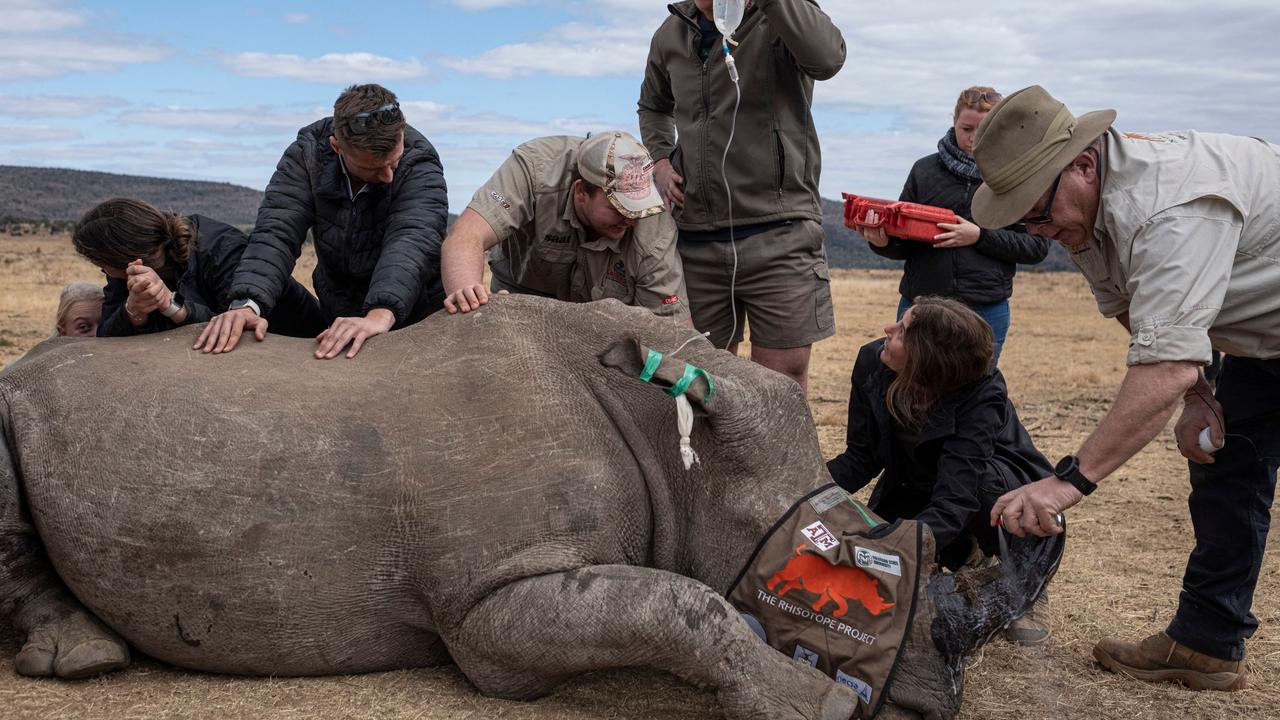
[(634, 179)]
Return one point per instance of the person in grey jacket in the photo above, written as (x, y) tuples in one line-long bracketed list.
[(759, 258), (371, 190)]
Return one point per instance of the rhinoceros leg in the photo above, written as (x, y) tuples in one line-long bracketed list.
[(922, 686), (528, 637), (63, 638)]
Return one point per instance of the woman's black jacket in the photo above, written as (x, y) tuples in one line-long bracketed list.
[(971, 450), (203, 283), (978, 274)]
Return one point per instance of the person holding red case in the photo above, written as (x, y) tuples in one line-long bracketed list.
[(972, 264)]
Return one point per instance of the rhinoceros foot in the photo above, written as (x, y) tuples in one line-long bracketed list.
[(73, 647), (812, 696)]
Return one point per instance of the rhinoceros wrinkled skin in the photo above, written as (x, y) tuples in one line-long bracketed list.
[(496, 489)]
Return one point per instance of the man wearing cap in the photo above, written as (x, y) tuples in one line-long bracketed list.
[(370, 190), (1178, 235), (571, 218)]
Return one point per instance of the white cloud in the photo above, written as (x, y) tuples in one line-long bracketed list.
[(578, 49), (55, 106), (224, 121), (25, 16), (298, 18), (332, 68), (1181, 65), (434, 119), (35, 57), (32, 134)]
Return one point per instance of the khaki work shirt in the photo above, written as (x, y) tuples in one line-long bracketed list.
[(1187, 241), (543, 248)]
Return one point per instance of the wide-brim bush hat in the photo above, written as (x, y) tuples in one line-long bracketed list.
[(1021, 146)]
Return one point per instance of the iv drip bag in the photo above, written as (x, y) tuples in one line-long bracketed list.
[(727, 14)]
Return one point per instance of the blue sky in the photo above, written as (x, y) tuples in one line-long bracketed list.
[(216, 91)]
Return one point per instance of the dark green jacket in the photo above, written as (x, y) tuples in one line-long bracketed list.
[(774, 160)]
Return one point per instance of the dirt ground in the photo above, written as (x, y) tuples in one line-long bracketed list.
[(1128, 544)]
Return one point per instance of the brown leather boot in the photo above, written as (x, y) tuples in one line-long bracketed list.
[(1160, 658)]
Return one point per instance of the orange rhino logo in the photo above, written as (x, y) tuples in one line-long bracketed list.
[(831, 583)]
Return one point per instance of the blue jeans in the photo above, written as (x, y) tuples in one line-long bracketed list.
[(996, 315), (1230, 505)]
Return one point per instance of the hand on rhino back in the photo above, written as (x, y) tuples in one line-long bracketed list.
[(496, 489)]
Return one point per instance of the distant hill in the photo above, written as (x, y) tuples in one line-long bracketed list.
[(55, 194)]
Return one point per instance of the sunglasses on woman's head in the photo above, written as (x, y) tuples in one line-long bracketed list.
[(361, 123), (974, 97)]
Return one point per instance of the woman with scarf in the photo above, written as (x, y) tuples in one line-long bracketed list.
[(971, 264)]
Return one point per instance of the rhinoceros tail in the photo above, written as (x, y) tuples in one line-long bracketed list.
[(972, 605)]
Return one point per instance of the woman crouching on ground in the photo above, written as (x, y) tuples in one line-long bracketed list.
[(166, 270), (928, 409)]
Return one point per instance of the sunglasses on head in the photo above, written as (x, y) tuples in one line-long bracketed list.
[(973, 97), (361, 123)]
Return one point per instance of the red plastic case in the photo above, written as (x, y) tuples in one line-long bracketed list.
[(909, 221)]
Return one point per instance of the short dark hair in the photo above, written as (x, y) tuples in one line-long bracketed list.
[(588, 187), (379, 139)]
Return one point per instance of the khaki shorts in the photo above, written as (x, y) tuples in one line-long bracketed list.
[(782, 288)]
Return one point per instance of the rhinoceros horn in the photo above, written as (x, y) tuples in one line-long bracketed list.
[(974, 604)]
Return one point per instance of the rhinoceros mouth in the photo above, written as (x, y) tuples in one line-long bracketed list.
[(972, 605)]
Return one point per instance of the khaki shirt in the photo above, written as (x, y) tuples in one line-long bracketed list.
[(1187, 241), (543, 248)]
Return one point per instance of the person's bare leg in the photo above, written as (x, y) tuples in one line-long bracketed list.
[(792, 362)]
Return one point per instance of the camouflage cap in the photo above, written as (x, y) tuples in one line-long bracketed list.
[(618, 163)]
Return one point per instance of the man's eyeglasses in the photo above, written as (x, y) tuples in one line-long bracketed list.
[(973, 97), (388, 114), (1045, 216)]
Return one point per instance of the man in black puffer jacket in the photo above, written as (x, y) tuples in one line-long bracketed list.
[(371, 190)]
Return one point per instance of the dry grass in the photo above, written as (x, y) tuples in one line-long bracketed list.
[(1121, 575)]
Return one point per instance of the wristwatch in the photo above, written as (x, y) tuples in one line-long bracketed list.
[(246, 302), (1068, 468), (175, 306)]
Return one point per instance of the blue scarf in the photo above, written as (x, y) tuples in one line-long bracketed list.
[(957, 160)]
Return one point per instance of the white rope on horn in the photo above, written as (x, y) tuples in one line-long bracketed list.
[(684, 422)]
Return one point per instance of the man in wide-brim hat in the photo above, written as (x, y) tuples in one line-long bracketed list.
[(1178, 235)]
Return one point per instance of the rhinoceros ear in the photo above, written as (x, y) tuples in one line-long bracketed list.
[(629, 357)]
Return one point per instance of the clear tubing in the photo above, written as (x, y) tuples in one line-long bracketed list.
[(733, 124)]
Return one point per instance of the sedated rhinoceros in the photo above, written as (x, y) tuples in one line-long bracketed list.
[(497, 489)]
